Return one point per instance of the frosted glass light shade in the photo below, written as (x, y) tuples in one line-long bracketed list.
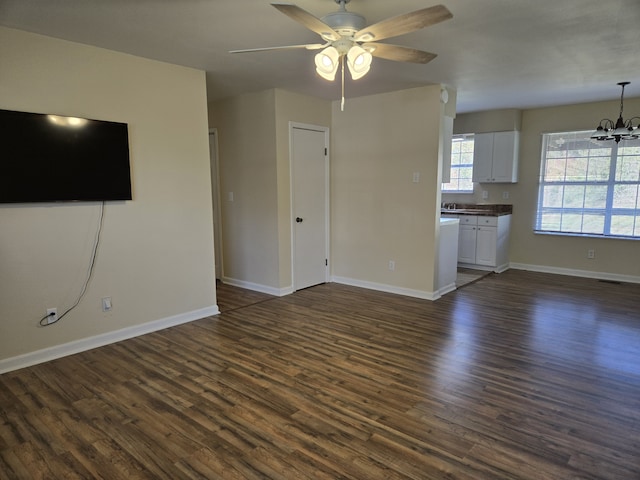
[(358, 61), (327, 63), (621, 131), (600, 133)]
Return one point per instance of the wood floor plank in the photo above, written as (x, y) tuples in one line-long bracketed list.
[(520, 375)]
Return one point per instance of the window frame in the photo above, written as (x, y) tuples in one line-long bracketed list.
[(609, 211), (454, 138)]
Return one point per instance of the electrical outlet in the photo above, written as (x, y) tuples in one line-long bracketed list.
[(591, 253), (106, 304), (52, 318), (485, 194), (416, 177), (392, 265), (505, 195)]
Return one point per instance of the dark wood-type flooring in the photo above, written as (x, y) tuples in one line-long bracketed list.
[(516, 376), (231, 298), (465, 276)]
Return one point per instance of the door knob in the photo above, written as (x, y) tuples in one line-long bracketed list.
[(298, 220)]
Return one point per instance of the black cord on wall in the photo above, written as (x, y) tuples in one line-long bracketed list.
[(43, 321)]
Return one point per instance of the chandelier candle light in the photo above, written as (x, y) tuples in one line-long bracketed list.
[(621, 130)]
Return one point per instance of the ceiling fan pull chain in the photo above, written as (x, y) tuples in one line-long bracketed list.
[(342, 68)]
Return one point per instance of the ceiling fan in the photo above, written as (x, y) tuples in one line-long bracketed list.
[(346, 36)]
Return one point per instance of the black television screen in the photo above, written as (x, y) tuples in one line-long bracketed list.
[(53, 158)]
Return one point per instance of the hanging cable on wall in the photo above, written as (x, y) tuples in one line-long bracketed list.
[(44, 320)]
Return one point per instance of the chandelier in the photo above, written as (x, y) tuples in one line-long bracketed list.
[(621, 130)]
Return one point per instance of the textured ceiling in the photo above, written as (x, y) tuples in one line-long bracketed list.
[(496, 53)]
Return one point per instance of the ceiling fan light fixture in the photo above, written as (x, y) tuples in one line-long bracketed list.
[(327, 63), (349, 40), (358, 61)]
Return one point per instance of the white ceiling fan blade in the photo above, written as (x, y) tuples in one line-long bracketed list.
[(409, 22), (308, 20), (398, 53), (310, 46)]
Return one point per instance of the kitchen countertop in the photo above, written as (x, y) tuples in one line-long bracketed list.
[(492, 210)]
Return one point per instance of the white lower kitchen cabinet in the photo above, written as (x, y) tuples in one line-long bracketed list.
[(484, 242), (467, 239)]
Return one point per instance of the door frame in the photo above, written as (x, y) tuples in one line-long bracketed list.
[(214, 162), (325, 130)]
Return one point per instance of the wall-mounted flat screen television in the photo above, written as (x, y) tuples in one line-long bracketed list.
[(53, 158)]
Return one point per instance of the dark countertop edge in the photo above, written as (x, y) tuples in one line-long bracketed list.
[(479, 213), (480, 209)]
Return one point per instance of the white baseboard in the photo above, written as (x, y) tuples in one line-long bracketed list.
[(499, 269), (446, 289), (77, 346), (473, 266), (256, 287), (576, 273), (381, 287)]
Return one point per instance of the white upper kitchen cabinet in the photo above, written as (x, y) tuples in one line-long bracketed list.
[(495, 157)]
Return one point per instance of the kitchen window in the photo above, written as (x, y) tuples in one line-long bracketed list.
[(589, 187), (461, 165)]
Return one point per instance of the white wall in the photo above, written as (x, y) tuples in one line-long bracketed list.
[(247, 167), (378, 214), (253, 136), (156, 254), (613, 256)]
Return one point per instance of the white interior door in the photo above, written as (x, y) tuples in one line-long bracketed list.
[(310, 178)]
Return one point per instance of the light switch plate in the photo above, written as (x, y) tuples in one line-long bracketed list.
[(106, 304)]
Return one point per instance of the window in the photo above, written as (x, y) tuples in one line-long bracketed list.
[(589, 187), (461, 165)]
